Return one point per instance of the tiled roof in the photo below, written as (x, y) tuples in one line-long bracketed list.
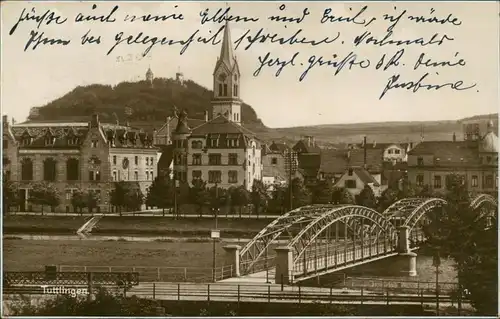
[(382, 145), (221, 125), (279, 147), (446, 153), (337, 161), (313, 148), (64, 133), (365, 177)]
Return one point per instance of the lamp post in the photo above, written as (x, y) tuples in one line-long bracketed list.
[(215, 233)]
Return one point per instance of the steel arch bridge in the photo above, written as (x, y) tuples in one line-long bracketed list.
[(333, 237)]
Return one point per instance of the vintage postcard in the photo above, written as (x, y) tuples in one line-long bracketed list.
[(250, 158)]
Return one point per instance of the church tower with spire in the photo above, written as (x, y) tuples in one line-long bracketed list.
[(226, 99)]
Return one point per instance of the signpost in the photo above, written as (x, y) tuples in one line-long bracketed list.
[(214, 234)]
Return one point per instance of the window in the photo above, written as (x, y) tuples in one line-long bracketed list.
[(93, 144), (196, 175), (253, 150), (474, 181), (489, 181), (72, 169), (196, 144), (349, 172), (420, 161), (151, 161), (235, 90), (420, 180), (26, 169), (214, 176), (437, 181), (114, 176), (94, 176), (274, 161), (49, 169), (136, 175), (147, 175), (350, 183), (196, 159), (220, 89), (233, 142), (233, 159), (214, 142), (389, 151), (214, 159), (49, 140), (233, 176), (147, 161), (152, 175), (225, 89), (136, 160), (114, 159), (397, 152)]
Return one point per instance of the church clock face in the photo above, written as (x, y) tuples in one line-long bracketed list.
[(222, 77)]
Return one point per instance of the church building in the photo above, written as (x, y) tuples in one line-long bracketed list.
[(220, 151)]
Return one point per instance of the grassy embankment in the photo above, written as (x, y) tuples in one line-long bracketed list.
[(134, 225)]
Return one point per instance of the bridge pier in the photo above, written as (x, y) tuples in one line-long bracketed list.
[(284, 266), (232, 257), (408, 262), (404, 239)]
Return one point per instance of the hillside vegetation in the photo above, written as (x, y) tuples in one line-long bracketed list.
[(136, 102), (147, 106)]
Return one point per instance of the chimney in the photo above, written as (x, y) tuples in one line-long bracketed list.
[(454, 137), (206, 116), (13, 121), (364, 152)]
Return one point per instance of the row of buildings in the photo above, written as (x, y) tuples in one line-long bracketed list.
[(221, 151)]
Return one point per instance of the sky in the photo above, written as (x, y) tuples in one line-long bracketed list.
[(35, 77)]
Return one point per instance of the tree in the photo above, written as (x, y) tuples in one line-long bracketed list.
[(240, 197), (259, 196), (455, 230), (128, 195), (44, 194), (367, 198), (277, 199), (301, 196), (217, 197), (322, 192), (199, 194), (10, 194), (161, 192), (387, 198), (78, 200), (340, 195)]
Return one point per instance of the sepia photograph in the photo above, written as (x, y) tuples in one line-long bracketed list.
[(302, 158)]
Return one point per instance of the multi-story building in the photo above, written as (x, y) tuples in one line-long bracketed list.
[(275, 162), (475, 158), (87, 156), (221, 151)]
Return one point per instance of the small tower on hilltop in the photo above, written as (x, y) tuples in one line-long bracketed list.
[(149, 76), (179, 77)]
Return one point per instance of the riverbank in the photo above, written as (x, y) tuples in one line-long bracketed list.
[(33, 255), (134, 225)]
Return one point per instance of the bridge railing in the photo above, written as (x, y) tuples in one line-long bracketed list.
[(400, 285), (151, 274), (273, 293)]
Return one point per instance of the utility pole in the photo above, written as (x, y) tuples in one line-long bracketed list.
[(291, 170)]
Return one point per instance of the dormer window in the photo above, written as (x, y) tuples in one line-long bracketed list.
[(26, 141), (49, 140), (93, 143), (73, 141)]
